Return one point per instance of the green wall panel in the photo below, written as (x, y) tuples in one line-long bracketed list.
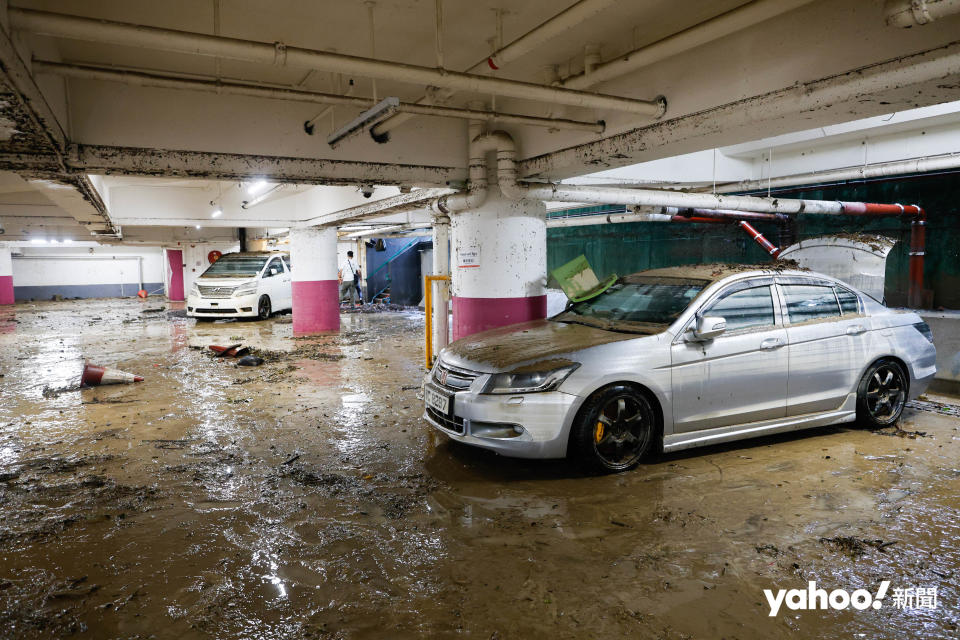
[(626, 248)]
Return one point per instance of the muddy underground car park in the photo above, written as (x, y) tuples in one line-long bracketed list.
[(433, 319)]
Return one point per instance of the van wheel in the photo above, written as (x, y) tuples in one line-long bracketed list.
[(882, 394), (263, 308), (616, 428)]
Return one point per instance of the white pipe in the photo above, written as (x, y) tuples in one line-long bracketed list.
[(563, 21), (879, 170), (476, 193), (910, 13), (144, 37), (507, 179), (142, 79), (441, 266), (590, 220), (713, 29)]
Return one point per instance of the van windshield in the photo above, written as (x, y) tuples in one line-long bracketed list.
[(636, 304), (232, 266)]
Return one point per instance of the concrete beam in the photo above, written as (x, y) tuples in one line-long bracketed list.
[(906, 82), (419, 199), (40, 142), (210, 165)]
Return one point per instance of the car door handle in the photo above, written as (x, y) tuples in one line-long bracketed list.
[(771, 343), (856, 329)]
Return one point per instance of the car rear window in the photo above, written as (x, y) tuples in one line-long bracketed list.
[(236, 266), (849, 303), (810, 302)]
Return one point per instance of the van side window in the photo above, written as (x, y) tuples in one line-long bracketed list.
[(286, 261), (810, 302), (273, 268), (849, 303), (745, 308)]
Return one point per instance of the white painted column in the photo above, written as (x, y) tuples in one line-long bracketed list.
[(316, 292), (441, 267), (499, 264), (6, 275)]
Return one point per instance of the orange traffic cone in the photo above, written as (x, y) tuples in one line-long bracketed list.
[(95, 375)]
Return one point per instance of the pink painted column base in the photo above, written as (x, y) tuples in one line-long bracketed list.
[(316, 306), (6, 289), (473, 315)]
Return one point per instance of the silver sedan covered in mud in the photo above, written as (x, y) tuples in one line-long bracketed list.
[(681, 357)]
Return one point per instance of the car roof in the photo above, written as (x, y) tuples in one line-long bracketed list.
[(715, 271), (253, 254)]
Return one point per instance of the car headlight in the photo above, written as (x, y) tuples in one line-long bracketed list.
[(246, 289), (529, 381), (195, 290)]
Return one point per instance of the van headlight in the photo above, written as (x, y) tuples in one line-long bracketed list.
[(546, 379), (246, 289), (195, 290)]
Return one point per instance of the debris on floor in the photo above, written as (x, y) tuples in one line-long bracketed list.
[(250, 361), (94, 375)]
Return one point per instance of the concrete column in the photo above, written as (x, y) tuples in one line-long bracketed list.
[(441, 267), (316, 293), (6, 275), (500, 264)]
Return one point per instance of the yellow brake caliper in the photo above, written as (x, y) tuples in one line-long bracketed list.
[(598, 433)]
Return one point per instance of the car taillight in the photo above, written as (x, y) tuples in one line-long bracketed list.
[(924, 328)]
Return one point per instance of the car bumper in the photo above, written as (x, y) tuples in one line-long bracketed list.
[(487, 421), (234, 307)]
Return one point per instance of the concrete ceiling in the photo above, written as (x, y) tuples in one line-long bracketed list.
[(188, 147)]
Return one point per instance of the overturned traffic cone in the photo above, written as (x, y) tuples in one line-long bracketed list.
[(95, 375)]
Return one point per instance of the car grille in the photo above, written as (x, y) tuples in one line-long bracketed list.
[(215, 292), (454, 379), (453, 423)]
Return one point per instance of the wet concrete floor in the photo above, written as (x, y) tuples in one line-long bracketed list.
[(307, 498)]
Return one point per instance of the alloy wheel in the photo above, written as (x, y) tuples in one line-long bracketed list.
[(886, 393), (622, 431)]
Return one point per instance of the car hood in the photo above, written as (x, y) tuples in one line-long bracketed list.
[(507, 348)]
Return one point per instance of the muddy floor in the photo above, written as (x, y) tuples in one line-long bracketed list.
[(306, 498)]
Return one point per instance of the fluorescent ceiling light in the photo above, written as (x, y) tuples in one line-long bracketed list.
[(257, 187), (217, 213), (198, 226), (38, 241)]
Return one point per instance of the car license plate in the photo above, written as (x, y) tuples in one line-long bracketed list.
[(436, 400)]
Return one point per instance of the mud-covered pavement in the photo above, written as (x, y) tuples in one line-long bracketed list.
[(307, 498)]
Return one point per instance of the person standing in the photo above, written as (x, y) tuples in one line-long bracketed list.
[(348, 279)]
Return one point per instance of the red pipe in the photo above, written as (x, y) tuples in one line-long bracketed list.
[(730, 214), (918, 246), (763, 242)]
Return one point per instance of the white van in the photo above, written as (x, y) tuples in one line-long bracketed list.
[(242, 285)]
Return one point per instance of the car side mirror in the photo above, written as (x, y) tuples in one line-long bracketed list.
[(709, 327)]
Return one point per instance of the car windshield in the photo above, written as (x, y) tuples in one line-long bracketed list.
[(636, 304), (230, 266)]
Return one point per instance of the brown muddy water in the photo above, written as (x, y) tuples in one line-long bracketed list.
[(307, 498)]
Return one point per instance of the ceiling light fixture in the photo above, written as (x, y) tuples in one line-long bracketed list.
[(257, 187), (217, 213)]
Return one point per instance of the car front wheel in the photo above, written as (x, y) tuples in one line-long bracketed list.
[(263, 308), (615, 429), (882, 394)]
